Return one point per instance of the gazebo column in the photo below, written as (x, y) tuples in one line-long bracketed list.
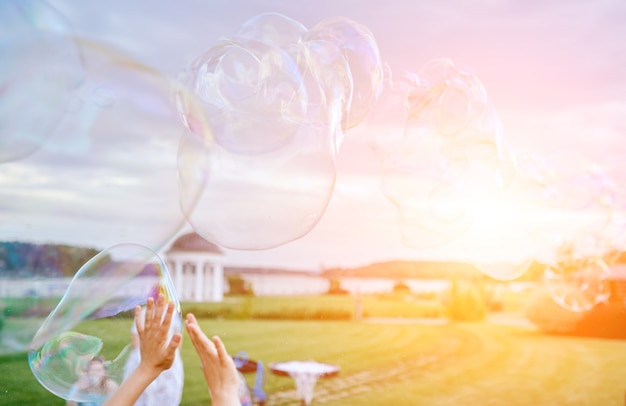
[(217, 291), (199, 291), (178, 277)]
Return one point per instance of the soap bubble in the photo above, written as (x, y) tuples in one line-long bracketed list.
[(432, 209), (359, 47), (579, 195), (504, 270), (452, 102), (108, 173), (439, 184), (267, 168), (258, 201), (252, 93), (328, 82), (579, 286), (34, 277), (99, 299), (41, 67)]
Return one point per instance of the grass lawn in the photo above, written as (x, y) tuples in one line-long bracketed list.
[(394, 364)]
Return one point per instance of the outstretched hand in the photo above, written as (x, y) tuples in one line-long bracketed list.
[(157, 352), (218, 367)]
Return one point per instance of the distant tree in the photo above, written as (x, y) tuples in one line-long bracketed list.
[(239, 286), (400, 287), (23, 259), (334, 287), (463, 301)]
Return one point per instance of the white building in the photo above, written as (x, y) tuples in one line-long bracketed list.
[(197, 269)]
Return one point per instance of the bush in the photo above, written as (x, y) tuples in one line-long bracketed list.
[(548, 315), (401, 288), (239, 286), (463, 301), (334, 287)]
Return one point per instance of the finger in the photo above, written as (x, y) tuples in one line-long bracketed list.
[(138, 321), (191, 318), (149, 313), (167, 320), (160, 307), (202, 344), (221, 349), (177, 338)]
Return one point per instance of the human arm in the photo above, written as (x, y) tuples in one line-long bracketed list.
[(157, 354), (218, 367)]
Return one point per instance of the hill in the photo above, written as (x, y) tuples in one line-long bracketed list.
[(421, 270)]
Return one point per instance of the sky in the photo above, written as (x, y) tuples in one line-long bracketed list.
[(553, 72)]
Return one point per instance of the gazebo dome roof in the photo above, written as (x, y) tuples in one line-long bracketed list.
[(192, 242)]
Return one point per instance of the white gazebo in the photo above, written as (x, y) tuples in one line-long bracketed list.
[(198, 271)]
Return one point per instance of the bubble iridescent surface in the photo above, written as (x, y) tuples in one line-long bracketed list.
[(106, 288), (359, 47), (108, 174), (41, 67), (110, 168), (268, 169)]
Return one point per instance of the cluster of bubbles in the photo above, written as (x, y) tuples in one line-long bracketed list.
[(448, 156), (277, 98), (106, 288), (455, 180), (94, 145), (98, 148)]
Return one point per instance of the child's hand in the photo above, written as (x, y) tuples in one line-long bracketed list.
[(157, 354), (218, 367)]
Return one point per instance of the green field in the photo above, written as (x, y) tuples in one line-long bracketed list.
[(393, 364)]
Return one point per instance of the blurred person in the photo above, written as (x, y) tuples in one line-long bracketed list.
[(95, 384)]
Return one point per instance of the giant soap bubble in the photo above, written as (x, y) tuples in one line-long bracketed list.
[(99, 299), (578, 287), (41, 66), (274, 98), (358, 45), (108, 174), (439, 177)]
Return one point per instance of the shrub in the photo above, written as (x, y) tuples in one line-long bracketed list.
[(463, 301), (334, 287), (239, 286), (401, 288), (548, 315)]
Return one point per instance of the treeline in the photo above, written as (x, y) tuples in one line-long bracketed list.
[(24, 259), (422, 270)]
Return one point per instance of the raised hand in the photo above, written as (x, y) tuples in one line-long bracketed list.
[(157, 352), (218, 367)]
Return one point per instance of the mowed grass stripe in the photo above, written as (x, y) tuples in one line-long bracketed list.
[(520, 369), (474, 364)]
